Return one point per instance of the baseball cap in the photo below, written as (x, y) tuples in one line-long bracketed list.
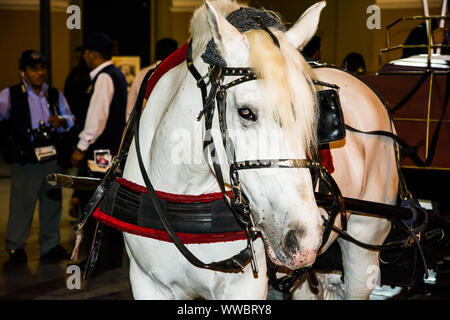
[(97, 41), (32, 58)]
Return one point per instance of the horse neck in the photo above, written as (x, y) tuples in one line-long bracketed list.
[(179, 132)]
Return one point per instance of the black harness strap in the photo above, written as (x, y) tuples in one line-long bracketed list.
[(197, 76), (236, 263), (108, 179), (263, 26), (437, 131), (407, 150)]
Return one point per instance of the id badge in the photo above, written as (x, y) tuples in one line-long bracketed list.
[(45, 153)]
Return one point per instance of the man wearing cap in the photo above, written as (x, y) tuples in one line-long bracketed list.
[(103, 128), (105, 118), (34, 111)]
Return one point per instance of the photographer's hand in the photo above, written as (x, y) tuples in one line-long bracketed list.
[(77, 157)]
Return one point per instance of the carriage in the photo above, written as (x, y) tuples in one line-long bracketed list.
[(222, 221), (416, 90)]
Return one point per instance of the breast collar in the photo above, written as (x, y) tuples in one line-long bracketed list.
[(196, 219)]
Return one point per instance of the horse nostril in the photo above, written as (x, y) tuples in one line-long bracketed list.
[(291, 241)]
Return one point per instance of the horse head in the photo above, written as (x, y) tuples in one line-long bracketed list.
[(273, 117)]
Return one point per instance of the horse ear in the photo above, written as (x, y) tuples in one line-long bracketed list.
[(224, 33), (305, 28)]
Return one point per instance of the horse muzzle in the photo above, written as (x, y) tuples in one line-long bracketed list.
[(292, 252)]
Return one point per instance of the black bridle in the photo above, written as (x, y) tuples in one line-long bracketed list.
[(240, 205)]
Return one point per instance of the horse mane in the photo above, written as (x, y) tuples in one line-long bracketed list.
[(289, 95)]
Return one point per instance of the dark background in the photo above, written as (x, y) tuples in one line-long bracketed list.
[(128, 25)]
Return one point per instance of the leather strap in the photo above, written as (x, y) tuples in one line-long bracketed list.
[(408, 151), (95, 249), (106, 182), (437, 131)]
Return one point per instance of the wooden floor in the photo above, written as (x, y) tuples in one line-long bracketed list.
[(38, 281)]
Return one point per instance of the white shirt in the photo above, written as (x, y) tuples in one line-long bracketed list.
[(98, 111), (134, 90)]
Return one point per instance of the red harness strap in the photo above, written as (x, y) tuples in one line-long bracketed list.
[(174, 197), (327, 160), (186, 238), (171, 62)]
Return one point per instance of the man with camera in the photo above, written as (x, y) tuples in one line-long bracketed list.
[(36, 116)]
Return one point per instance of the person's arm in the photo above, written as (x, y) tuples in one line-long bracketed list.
[(439, 36), (5, 104), (132, 96), (134, 91), (66, 119), (96, 117), (98, 111)]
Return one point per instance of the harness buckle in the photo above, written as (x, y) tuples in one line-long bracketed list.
[(252, 231), (207, 75)]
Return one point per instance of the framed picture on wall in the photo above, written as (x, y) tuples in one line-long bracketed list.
[(129, 65)]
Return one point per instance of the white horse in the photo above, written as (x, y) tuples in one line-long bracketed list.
[(365, 168), (281, 103)]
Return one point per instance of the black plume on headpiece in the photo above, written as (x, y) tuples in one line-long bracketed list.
[(244, 19)]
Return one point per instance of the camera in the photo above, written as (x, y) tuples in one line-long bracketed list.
[(42, 136)]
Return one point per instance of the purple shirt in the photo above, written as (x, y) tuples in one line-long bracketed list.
[(39, 109)]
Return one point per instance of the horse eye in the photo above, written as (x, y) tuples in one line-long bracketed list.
[(247, 114)]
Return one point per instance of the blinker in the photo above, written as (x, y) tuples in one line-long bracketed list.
[(331, 124)]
